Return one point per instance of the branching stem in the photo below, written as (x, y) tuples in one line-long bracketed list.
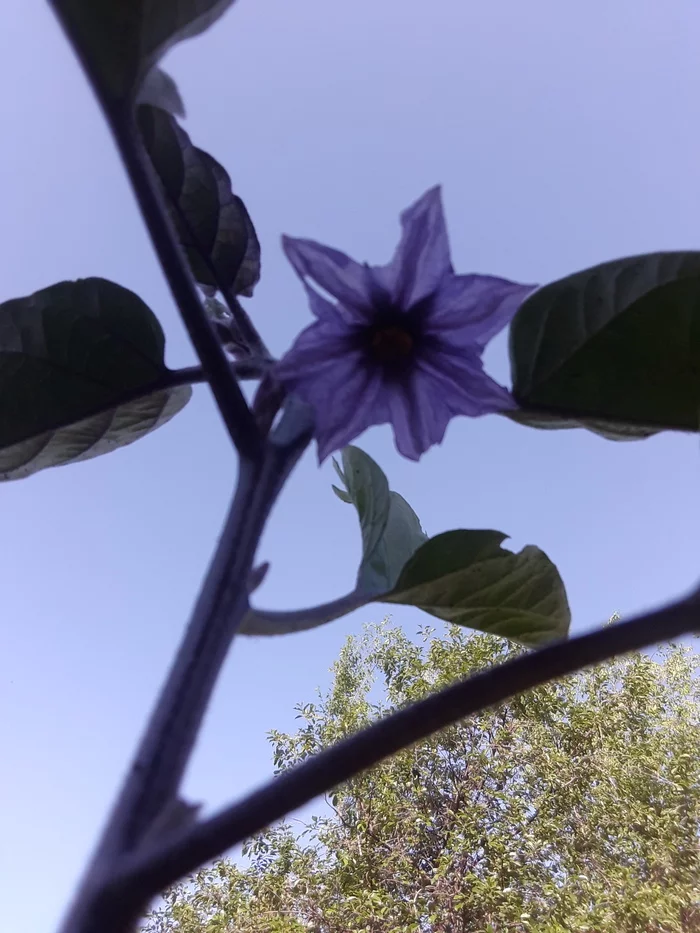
[(147, 872)]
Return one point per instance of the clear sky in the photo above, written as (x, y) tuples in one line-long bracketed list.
[(563, 134)]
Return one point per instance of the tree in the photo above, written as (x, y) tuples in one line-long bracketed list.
[(575, 807)]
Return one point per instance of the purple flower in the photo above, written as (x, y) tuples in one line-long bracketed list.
[(402, 343)]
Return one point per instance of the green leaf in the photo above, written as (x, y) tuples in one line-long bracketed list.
[(467, 578), (615, 348), (391, 531), (368, 490), (402, 536), (74, 360), (121, 40), (610, 430), (212, 223), (160, 90), (464, 577)]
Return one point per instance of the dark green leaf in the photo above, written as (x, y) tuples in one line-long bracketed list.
[(160, 90), (616, 347), (467, 578), (121, 40), (73, 360), (610, 430), (213, 224)]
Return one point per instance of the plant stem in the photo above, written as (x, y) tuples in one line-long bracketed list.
[(239, 421), (191, 375), (186, 376), (157, 770), (249, 332), (154, 778), (171, 379), (156, 773), (277, 622), (147, 872), (229, 398)]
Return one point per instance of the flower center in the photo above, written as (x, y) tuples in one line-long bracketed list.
[(391, 344)]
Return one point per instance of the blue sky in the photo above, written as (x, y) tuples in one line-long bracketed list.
[(563, 134)]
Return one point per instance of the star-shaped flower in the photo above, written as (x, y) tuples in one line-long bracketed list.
[(401, 343)]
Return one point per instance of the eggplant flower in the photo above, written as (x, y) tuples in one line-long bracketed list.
[(400, 343)]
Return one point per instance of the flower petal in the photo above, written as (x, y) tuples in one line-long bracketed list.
[(422, 258), (471, 309), (460, 380), (337, 274), (438, 390), (319, 346), (419, 415), (330, 368), (357, 405), (328, 373), (320, 308)]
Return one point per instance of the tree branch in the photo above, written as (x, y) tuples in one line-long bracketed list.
[(145, 873)]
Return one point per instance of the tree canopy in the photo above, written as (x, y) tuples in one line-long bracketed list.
[(575, 807)]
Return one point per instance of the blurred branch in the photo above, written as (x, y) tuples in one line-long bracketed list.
[(145, 873)]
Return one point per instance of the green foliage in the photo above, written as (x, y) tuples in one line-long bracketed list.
[(573, 809), (160, 90), (618, 342), (122, 40), (467, 578), (464, 577), (212, 222), (391, 530), (73, 359)]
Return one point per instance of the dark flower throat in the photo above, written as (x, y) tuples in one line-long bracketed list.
[(393, 339)]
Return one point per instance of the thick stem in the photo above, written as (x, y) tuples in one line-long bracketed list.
[(156, 773), (160, 762), (158, 766)]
